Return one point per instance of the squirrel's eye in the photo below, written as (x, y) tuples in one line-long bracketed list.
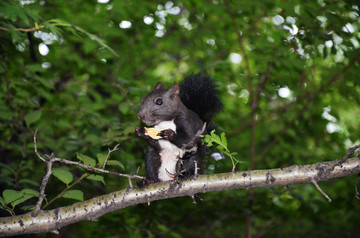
[(159, 101)]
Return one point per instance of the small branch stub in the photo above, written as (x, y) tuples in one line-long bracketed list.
[(320, 190)]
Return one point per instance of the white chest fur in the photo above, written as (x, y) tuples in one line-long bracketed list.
[(169, 153), (166, 125)]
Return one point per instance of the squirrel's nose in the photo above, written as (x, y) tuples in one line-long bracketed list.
[(141, 116)]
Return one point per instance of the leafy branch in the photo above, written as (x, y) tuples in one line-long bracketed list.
[(11, 198), (54, 26), (222, 146), (66, 177)]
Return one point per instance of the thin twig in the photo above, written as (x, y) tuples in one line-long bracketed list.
[(350, 153), (35, 147), (43, 186), (56, 232), (107, 156), (45, 180), (233, 168), (193, 199), (87, 167), (320, 190), (130, 183), (196, 168), (35, 28), (346, 156)]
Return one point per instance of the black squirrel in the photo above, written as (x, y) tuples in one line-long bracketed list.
[(182, 114)]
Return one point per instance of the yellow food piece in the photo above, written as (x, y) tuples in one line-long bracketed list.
[(153, 133)]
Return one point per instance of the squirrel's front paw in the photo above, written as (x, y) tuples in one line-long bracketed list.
[(140, 131), (168, 133)]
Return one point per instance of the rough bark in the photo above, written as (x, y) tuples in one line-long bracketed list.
[(52, 220)]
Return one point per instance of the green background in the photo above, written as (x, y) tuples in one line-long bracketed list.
[(84, 94)]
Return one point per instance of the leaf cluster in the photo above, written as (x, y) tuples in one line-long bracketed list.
[(221, 145)]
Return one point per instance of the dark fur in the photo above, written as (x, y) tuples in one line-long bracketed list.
[(198, 93)]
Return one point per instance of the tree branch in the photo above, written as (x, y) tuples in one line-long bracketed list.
[(35, 28), (53, 220), (87, 167)]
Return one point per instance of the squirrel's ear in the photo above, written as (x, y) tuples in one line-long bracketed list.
[(175, 89), (159, 85)]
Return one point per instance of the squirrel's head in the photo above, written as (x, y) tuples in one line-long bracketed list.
[(160, 105)]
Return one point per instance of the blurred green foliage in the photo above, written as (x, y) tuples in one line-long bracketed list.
[(76, 71)]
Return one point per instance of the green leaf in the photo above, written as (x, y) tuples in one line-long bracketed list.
[(45, 82), (10, 195), (86, 159), (54, 29), (220, 148), (32, 117), (223, 139), (59, 22), (28, 207), (15, 35), (22, 199), (115, 163), (97, 39), (35, 68), (26, 195), (101, 158), (63, 175), (95, 177), (74, 194), (28, 191), (16, 197), (2, 201), (7, 167), (124, 107)]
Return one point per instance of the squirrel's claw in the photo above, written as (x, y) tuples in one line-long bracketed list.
[(168, 133)]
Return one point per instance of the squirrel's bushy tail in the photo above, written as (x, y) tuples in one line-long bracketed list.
[(198, 93)]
